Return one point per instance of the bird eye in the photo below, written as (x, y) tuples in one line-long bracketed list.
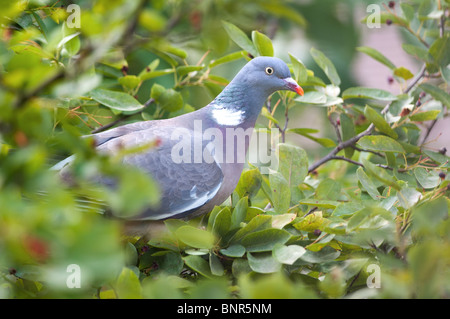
[(269, 70)]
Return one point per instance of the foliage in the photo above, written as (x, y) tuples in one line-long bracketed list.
[(314, 228)]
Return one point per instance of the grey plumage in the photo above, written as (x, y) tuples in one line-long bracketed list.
[(195, 187)]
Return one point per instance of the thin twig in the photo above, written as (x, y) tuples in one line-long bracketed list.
[(342, 158), (367, 151)]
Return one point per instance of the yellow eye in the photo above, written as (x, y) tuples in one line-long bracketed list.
[(269, 70)]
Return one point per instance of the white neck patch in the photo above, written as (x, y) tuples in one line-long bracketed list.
[(230, 117)]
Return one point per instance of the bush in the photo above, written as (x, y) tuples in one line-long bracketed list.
[(372, 211)]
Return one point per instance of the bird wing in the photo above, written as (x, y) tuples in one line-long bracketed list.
[(185, 185)]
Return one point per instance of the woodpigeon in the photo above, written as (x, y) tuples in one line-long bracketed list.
[(196, 161)]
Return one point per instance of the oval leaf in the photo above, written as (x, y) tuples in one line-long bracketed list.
[(288, 254), (240, 38), (262, 43), (194, 237), (326, 65), (380, 143), (379, 122), (116, 100), (265, 240), (367, 93)]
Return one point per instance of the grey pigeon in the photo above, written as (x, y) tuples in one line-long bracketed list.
[(196, 173)]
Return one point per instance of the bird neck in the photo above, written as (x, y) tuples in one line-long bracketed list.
[(237, 105)]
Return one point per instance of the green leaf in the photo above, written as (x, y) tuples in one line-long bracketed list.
[(375, 54), (265, 240), (327, 204), (262, 43), (71, 43), (199, 265), (235, 251), (427, 179), (380, 174), (440, 51), (404, 73), (257, 223), (437, 157), (437, 93), (116, 100), (380, 143), (328, 189), (279, 221), (424, 116), (240, 38), (41, 24), (249, 183), (293, 163), (129, 81), (310, 222), (379, 122), (239, 213), (215, 265), (149, 68), (368, 217), (263, 263), (185, 69), (367, 183), (324, 141), (281, 194), (419, 53), (153, 74), (408, 197), (222, 222), (128, 285), (300, 71), (195, 237), (170, 100), (347, 132), (312, 97), (324, 255), (265, 112), (368, 93), (326, 65), (288, 254), (428, 217), (284, 11), (408, 11), (152, 20), (227, 58)]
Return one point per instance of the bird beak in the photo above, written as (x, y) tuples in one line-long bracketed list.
[(293, 86)]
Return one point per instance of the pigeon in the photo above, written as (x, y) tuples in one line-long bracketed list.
[(197, 162)]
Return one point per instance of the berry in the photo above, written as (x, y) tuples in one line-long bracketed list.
[(388, 21), (390, 80), (443, 150), (317, 232), (391, 4), (442, 175)]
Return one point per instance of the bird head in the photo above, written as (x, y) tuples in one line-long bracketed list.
[(269, 74)]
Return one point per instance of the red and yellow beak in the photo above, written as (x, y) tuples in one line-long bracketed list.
[(293, 86)]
